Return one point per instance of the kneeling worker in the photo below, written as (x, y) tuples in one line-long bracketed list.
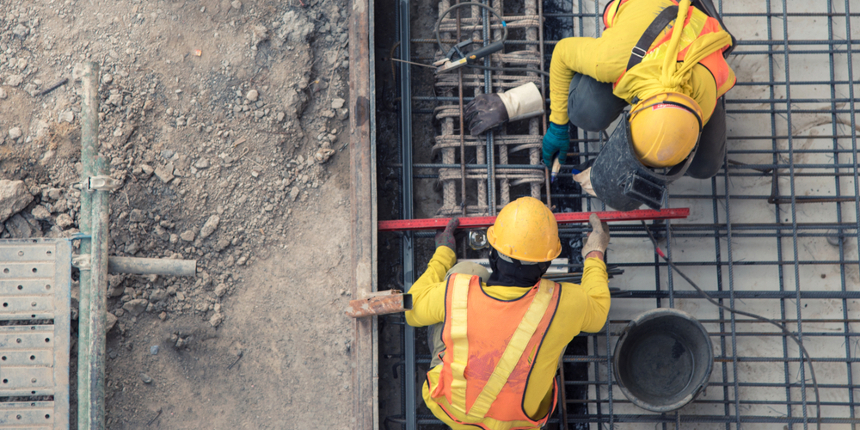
[(497, 339), (663, 59)]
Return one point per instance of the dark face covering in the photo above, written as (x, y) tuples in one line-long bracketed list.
[(514, 274)]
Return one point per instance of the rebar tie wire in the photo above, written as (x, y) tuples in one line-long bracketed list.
[(782, 327)]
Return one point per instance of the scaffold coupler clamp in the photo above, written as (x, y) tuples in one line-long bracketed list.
[(99, 183)]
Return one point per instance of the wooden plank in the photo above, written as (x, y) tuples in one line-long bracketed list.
[(362, 146)]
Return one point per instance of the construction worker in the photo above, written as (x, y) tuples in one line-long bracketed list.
[(497, 338), (674, 80)]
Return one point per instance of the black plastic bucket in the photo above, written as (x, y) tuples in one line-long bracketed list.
[(663, 360)]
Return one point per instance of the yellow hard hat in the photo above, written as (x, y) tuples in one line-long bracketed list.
[(665, 128), (526, 230)]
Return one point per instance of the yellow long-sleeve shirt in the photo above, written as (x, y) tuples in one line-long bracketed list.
[(605, 58), (582, 307)]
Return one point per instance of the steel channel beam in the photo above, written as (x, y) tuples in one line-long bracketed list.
[(410, 393)]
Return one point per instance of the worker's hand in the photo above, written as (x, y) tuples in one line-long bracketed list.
[(485, 112), (584, 180), (446, 237), (555, 141), (490, 110), (598, 239)]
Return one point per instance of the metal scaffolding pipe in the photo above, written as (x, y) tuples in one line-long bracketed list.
[(97, 309), (152, 266), (89, 150)]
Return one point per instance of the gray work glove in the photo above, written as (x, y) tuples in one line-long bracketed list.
[(491, 110), (446, 237), (485, 112), (598, 239)]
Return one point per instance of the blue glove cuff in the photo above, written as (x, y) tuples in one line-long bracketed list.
[(559, 130)]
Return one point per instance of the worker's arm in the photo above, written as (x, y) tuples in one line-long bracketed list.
[(428, 292), (595, 282), (569, 57), (604, 59)]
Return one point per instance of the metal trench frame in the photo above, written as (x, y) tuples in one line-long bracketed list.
[(729, 328)]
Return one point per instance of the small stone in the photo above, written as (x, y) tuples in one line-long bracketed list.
[(107, 78), (67, 116), (18, 227), (111, 321), (14, 133), (115, 99), (202, 163), (136, 306), (162, 316), (337, 103), (174, 238), (64, 221), (14, 196), (41, 213), (21, 31), (216, 319), (252, 95), (157, 295), (294, 192), (153, 350), (3, 94), (221, 289), (136, 215), (14, 80), (222, 244), (323, 155), (145, 378), (236, 4), (187, 235), (146, 169), (209, 227), (52, 194), (164, 174), (280, 116)]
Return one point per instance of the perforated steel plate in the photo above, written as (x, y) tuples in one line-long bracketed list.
[(35, 301)]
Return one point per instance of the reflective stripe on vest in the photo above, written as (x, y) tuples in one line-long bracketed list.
[(610, 11), (697, 24), (473, 378)]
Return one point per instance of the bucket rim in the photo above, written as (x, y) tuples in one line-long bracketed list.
[(651, 315)]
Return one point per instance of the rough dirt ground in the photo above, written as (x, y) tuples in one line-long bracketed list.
[(226, 123)]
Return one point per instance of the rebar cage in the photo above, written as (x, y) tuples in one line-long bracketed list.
[(774, 233)]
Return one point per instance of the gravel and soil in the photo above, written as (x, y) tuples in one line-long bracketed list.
[(226, 123)]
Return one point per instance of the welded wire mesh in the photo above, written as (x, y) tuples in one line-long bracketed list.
[(774, 233)]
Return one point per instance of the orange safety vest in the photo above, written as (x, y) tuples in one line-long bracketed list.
[(491, 346), (698, 24)]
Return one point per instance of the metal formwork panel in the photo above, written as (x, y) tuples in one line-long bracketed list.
[(35, 303)]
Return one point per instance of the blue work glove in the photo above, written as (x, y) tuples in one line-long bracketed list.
[(556, 141)]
